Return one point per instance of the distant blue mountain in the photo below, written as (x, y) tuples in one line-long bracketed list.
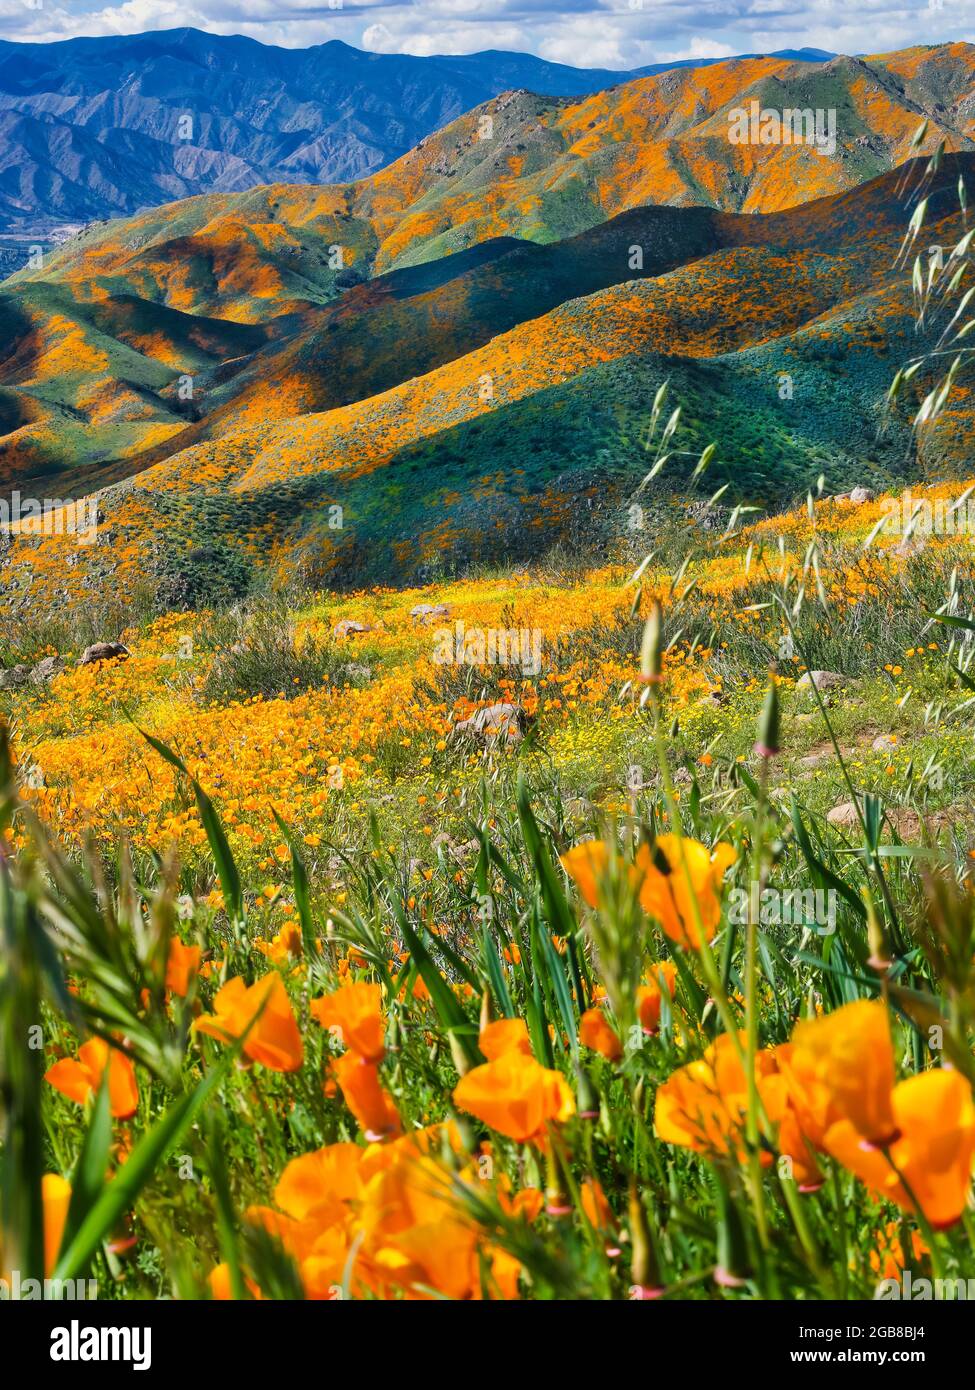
[(793, 55), (101, 127)]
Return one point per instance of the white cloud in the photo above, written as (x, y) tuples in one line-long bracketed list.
[(407, 33), (699, 48), (588, 41), (586, 33)]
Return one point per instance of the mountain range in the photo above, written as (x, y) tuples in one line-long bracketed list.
[(103, 127), (457, 354)]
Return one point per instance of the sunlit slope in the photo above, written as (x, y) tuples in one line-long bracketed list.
[(86, 382), (97, 347), (537, 168), (394, 327), (90, 369), (781, 353)]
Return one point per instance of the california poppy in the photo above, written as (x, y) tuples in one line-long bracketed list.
[(649, 996), (323, 1269), (929, 1162), (284, 947), (77, 1079), (529, 1203), (273, 1040), (841, 1067), (182, 965), (221, 1289), (505, 1035), (359, 1083), (702, 1105), (56, 1198), (664, 893), (586, 864), (793, 1143), (503, 1271), (515, 1095), (887, 1257), (596, 1032), (415, 1233), (316, 1184), (598, 1212), (355, 1011)]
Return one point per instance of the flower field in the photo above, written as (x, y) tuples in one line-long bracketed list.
[(338, 968), (478, 823)]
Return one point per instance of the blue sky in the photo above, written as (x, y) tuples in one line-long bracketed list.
[(586, 33)]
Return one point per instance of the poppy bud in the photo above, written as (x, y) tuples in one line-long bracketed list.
[(651, 651), (487, 1012), (644, 1268), (733, 1265), (587, 1096), (879, 958), (767, 745), (463, 1130), (459, 1057), (556, 1202)]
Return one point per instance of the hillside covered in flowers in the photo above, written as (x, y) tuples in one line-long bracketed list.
[(486, 795)]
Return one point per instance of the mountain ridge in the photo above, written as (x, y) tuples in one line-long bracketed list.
[(548, 168), (260, 114), (410, 443)]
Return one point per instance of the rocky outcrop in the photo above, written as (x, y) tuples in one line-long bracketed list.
[(103, 651), (501, 723)]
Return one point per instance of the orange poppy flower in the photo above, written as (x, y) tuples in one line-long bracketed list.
[(274, 1040), (504, 1272), (505, 1035), (841, 1067), (515, 1095), (220, 1286), (587, 864), (417, 990), (792, 1141), (284, 947), (664, 892), (649, 996), (365, 1097), (77, 1079), (56, 1198), (528, 1203), (887, 1258), (595, 1032), (930, 1160), (182, 965), (355, 1012), (414, 1233), (598, 1212), (702, 1105), (316, 1185), (323, 1269)]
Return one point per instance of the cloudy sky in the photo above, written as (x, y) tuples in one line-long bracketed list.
[(587, 33)]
